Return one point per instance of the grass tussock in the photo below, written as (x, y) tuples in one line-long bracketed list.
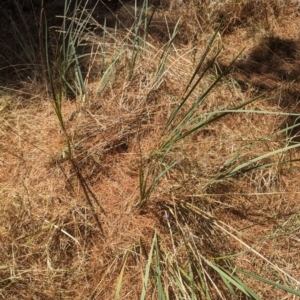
[(150, 150)]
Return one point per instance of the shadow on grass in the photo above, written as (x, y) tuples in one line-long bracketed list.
[(272, 67), (23, 34)]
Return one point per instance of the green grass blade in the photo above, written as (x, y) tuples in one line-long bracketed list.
[(241, 167), (234, 280), (270, 282), (147, 192), (196, 72), (204, 289), (164, 57), (108, 75), (148, 267), (188, 115), (120, 278), (158, 273)]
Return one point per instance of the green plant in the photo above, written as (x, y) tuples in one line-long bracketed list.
[(68, 42), (67, 61), (190, 273)]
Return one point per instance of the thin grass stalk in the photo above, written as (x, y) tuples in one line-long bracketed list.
[(84, 18), (173, 266), (164, 57), (196, 72), (103, 57), (148, 22), (79, 77), (203, 282), (292, 291), (145, 22), (158, 272), (70, 36), (56, 98), (211, 117), (188, 283), (136, 40), (120, 278), (242, 167), (192, 282), (147, 270), (78, 72), (108, 75), (145, 191)]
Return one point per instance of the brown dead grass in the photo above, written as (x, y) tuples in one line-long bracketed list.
[(57, 244)]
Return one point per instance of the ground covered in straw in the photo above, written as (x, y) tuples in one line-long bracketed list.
[(76, 222)]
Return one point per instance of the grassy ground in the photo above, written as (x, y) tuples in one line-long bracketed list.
[(157, 159)]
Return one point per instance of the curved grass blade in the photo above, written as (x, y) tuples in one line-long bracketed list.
[(242, 167)]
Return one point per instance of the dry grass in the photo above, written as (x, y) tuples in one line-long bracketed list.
[(69, 226)]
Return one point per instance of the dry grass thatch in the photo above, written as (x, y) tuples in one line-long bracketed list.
[(106, 180)]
